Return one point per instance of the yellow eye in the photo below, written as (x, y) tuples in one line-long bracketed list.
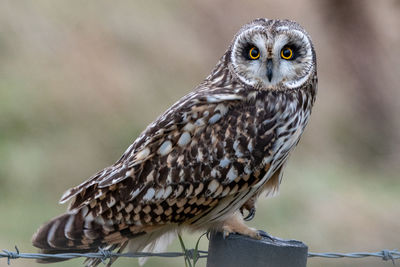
[(254, 53), (286, 53)]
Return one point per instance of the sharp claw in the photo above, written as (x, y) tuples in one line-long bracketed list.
[(266, 235), (225, 234), (251, 214)]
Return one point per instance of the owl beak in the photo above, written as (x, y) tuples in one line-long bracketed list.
[(269, 69)]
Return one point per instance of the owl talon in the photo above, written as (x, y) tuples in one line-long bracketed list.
[(225, 234), (251, 215), (264, 234)]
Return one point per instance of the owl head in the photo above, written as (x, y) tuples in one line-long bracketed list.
[(272, 55)]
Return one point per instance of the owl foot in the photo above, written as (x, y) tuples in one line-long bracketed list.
[(250, 232), (236, 225)]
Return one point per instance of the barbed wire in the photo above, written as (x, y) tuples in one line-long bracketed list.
[(101, 254), (190, 253), (383, 254)]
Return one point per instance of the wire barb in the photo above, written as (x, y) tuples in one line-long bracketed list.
[(11, 255), (106, 254), (388, 255), (191, 253), (196, 254)]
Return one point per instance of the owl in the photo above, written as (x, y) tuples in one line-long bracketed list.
[(206, 159)]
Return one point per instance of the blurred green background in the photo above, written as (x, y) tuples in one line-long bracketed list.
[(79, 80)]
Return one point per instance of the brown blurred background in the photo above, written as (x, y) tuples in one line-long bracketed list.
[(80, 80)]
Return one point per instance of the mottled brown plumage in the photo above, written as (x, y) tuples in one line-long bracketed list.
[(214, 151)]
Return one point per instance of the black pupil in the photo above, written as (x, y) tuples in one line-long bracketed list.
[(286, 52), (254, 52)]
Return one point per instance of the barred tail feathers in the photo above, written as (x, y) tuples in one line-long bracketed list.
[(77, 232), (67, 233)]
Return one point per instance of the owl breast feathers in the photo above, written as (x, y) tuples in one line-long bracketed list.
[(211, 153)]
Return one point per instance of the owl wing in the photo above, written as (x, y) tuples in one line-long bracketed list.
[(198, 153), (187, 144)]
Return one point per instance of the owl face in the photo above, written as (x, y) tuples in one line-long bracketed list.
[(272, 54)]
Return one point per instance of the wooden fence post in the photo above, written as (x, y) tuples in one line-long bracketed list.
[(241, 251)]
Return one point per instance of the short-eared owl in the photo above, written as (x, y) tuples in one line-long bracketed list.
[(204, 160)]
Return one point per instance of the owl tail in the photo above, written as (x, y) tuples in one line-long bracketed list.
[(76, 232)]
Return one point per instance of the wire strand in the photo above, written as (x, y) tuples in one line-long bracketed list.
[(102, 254)]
